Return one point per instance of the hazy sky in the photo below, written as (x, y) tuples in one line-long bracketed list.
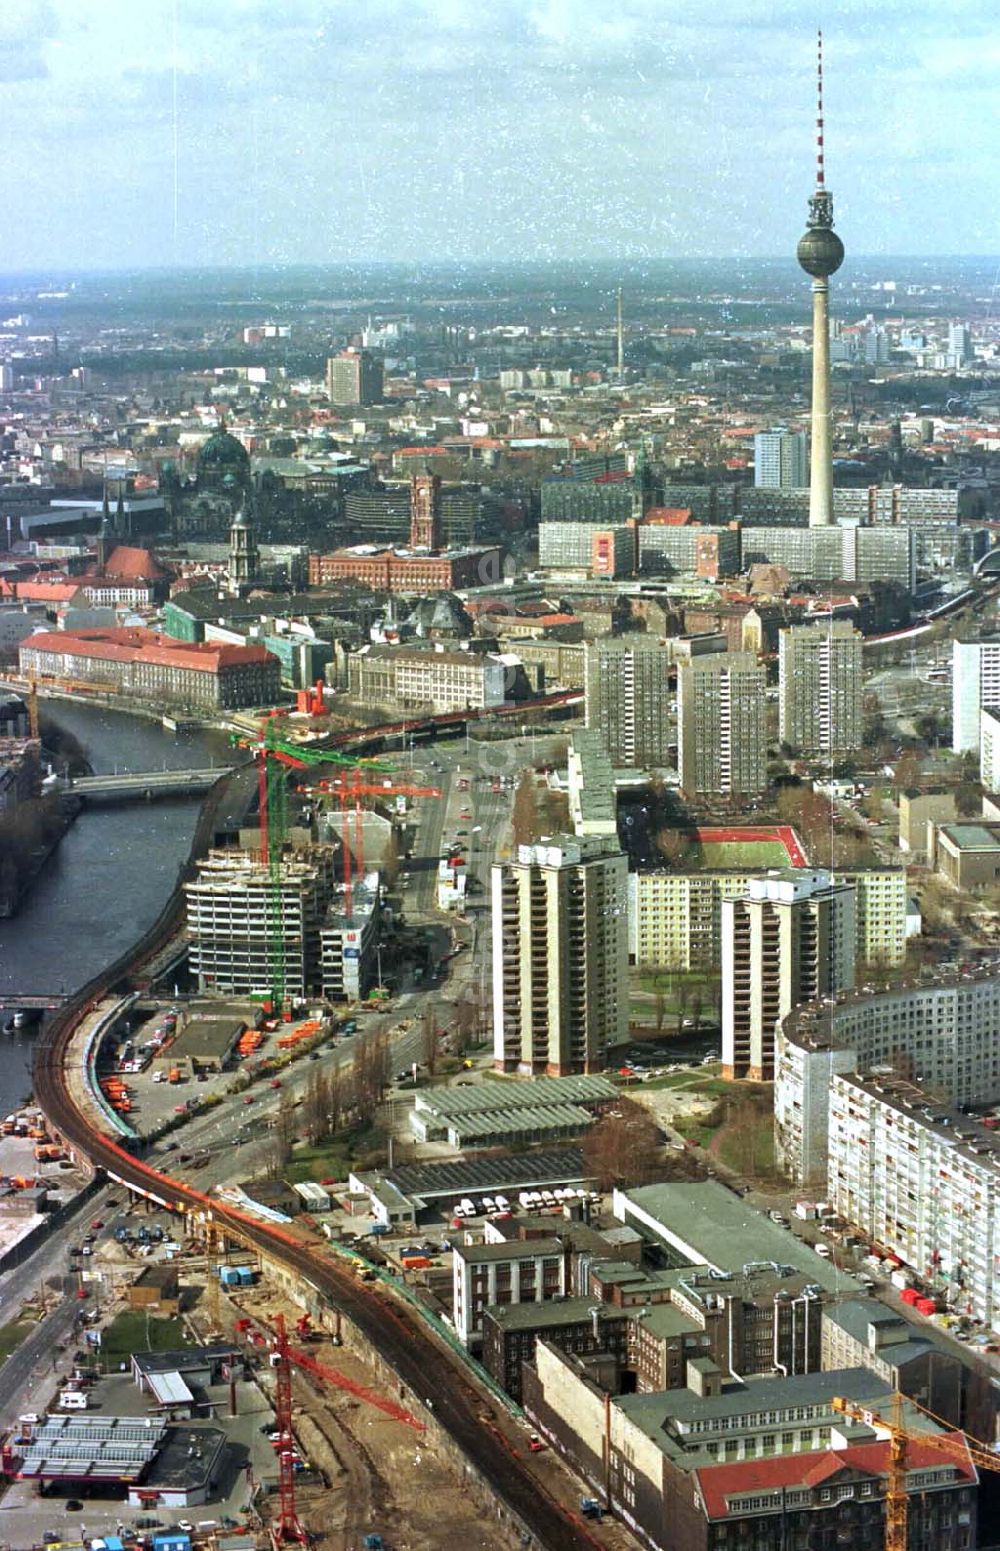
[(261, 131)]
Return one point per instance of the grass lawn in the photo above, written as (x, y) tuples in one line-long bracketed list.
[(13, 1334), (333, 1159), (752, 854), (136, 1333), (329, 1161), (748, 1147)]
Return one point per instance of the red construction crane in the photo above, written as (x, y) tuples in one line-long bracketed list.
[(350, 789), (289, 1530)]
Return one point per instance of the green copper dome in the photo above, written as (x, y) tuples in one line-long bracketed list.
[(223, 451)]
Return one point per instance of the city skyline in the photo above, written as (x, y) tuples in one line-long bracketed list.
[(229, 136)]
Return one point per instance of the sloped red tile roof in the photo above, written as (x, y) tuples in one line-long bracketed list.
[(130, 643), (47, 592), (127, 563), (717, 1483)]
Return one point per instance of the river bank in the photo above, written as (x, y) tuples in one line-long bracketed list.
[(107, 880)]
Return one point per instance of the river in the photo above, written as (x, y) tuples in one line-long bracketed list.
[(110, 876)]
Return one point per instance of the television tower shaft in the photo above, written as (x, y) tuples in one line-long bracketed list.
[(820, 253)]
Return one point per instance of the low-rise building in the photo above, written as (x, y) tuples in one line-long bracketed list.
[(968, 855), (406, 571), (534, 1271), (415, 677), (862, 1333), (707, 1469), (155, 1289)]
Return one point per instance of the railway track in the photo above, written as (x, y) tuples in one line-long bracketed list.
[(391, 1328)]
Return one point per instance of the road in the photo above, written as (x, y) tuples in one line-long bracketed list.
[(484, 1433)]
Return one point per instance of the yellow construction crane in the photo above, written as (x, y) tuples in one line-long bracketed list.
[(954, 1445)]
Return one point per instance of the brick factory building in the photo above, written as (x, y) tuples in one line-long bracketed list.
[(400, 570)]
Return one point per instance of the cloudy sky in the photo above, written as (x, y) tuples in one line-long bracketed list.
[(183, 132)]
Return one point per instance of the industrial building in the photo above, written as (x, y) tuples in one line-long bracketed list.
[(560, 956), (487, 1114), (407, 1193), (158, 1465)]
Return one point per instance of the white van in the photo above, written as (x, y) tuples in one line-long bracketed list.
[(72, 1400)]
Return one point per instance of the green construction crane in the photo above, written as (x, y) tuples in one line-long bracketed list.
[(275, 756)]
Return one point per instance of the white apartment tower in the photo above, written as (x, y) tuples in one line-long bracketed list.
[(721, 739), (780, 460), (789, 938), (560, 956), (820, 689), (975, 686)]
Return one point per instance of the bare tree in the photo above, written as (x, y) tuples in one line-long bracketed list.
[(524, 815), (623, 1148), (430, 1041)]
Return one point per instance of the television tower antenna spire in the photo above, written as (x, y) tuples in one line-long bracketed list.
[(820, 177)]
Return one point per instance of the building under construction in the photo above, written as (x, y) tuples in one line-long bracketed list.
[(349, 942), (240, 914)]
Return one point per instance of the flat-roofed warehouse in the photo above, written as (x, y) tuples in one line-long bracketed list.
[(487, 1114), (159, 1465), (206, 1044), (420, 1188)]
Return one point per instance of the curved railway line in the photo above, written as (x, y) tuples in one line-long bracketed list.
[(469, 1416)]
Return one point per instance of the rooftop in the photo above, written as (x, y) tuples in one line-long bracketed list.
[(709, 1223), (553, 1315), (526, 1171)]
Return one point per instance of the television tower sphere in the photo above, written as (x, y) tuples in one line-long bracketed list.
[(820, 252)]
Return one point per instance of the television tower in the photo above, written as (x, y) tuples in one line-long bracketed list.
[(821, 253), (621, 340)]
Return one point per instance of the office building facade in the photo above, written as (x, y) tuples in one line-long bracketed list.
[(354, 377), (720, 725), (560, 956), (790, 938), (820, 689)]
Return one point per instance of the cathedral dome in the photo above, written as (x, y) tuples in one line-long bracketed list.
[(222, 453)]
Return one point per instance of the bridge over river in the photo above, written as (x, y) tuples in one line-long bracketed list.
[(144, 786)]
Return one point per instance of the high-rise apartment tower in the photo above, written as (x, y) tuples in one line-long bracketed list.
[(628, 695), (354, 377), (820, 689), (780, 460), (560, 956), (789, 938), (721, 739)]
